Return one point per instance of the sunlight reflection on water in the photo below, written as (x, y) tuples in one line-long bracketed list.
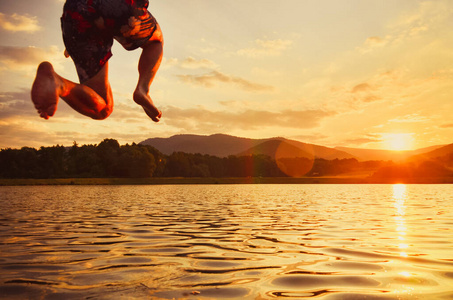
[(399, 194), (227, 241)]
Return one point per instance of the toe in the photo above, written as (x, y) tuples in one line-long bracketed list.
[(157, 118)]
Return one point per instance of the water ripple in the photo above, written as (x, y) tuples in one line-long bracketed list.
[(214, 242)]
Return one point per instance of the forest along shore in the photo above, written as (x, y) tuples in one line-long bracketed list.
[(111, 163)]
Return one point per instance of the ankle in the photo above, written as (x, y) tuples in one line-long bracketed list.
[(140, 96)]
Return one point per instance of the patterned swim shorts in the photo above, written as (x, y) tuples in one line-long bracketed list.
[(89, 27)]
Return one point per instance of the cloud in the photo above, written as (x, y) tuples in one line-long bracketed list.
[(384, 85), (35, 132), (412, 118), (363, 92), (362, 87), (190, 63), (265, 48), (16, 104), (309, 137), (367, 98), (204, 120), (24, 133), (214, 76), (367, 139), (128, 114), (27, 55), (31, 133), (447, 125), (375, 41), (427, 17), (232, 103), (209, 80), (16, 23)]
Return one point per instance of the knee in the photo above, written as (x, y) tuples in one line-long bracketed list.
[(103, 113)]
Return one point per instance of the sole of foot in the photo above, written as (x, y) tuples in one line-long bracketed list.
[(44, 92)]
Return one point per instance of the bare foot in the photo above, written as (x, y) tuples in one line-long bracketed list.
[(143, 99), (44, 92)]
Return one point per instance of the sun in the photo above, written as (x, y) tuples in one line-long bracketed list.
[(398, 141)]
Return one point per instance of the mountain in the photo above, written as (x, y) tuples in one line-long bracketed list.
[(220, 145), (436, 153), (284, 148), (276, 148), (375, 154), (223, 145)]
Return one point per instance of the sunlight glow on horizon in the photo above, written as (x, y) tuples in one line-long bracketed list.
[(398, 141)]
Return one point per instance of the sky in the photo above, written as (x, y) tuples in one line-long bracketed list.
[(352, 73)]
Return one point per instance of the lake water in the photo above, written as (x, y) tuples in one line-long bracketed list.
[(227, 242)]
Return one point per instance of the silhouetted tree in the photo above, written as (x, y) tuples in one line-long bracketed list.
[(108, 153), (84, 162), (432, 169), (23, 163), (135, 161), (393, 170), (296, 166), (160, 160), (52, 162), (109, 159), (178, 165)]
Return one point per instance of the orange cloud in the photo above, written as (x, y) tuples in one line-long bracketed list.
[(266, 48), (209, 80), (363, 87), (16, 104), (411, 118), (26, 55), (203, 120), (17, 23), (428, 16), (369, 138), (190, 63), (375, 41), (362, 92)]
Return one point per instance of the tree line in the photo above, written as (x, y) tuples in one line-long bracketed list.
[(110, 159)]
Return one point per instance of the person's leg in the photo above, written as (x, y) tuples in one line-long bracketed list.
[(148, 65), (93, 98)]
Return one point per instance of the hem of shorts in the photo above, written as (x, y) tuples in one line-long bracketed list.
[(101, 65), (141, 42)]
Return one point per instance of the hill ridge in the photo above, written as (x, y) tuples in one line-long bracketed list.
[(224, 145)]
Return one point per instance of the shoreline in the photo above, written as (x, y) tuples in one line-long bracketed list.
[(210, 180)]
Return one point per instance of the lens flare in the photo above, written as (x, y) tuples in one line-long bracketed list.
[(293, 161)]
